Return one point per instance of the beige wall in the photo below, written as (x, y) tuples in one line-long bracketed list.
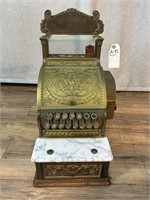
[(126, 23)]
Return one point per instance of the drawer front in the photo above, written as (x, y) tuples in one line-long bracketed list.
[(71, 170)]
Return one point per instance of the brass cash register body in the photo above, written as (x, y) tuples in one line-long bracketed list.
[(75, 97)]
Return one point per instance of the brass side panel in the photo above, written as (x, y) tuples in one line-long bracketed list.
[(71, 84), (111, 94)]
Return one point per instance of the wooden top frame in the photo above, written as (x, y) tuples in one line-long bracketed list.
[(72, 22)]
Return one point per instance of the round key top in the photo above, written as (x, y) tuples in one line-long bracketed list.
[(68, 123), (54, 126), (89, 124), (46, 125), (93, 115), (75, 123), (57, 116), (79, 115), (64, 116), (49, 116), (81, 124), (71, 116), (86, 115), (96, 124), (61, 124)]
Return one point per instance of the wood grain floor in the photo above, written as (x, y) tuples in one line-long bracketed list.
[(129, 137)]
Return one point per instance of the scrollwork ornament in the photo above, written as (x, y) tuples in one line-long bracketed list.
[(71, 22), (72, 11), (96, 15), (44, 23), (100, 25), (47, 15)]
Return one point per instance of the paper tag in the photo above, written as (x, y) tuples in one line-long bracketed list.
[(114, 56)]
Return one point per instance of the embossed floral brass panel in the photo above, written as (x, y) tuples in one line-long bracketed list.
[(72, 170), (69, 84)]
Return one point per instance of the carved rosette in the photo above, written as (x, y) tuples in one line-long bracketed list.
[(72, 22)]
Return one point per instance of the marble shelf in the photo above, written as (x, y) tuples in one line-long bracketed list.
[(71, 150)]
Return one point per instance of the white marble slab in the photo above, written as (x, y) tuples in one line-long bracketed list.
[(71, 150)]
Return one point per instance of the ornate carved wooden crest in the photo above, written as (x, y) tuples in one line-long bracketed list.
[(72, 22)]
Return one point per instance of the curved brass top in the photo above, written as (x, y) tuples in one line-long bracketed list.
[(71, 83)]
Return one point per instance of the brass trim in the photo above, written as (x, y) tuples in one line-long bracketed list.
[(71, 133)]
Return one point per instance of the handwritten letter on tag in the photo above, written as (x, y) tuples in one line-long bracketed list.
[(114, 56)]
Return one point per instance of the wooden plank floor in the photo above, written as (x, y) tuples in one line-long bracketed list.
[(129, 137)]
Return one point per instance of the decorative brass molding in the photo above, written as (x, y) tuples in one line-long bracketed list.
[(75, 170), (71, 133), (72, 22), (90, 62)]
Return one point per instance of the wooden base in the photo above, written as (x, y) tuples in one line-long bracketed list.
[(71, 182)]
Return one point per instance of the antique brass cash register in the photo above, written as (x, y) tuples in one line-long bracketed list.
[(75, 97)]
